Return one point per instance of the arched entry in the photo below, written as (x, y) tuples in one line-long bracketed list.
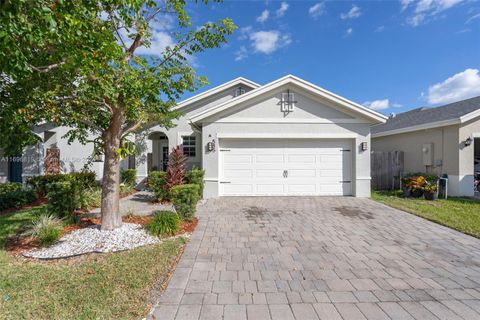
[(158, 158)]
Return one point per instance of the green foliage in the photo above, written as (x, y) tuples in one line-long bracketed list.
[(128, 176), (195, 176), (13, 195), (88, 198), (16, 199), (164, 223), (156, 181), (10, 187), (430, 178), (47, 228), (83, 179), (63, 199), (184, 199)]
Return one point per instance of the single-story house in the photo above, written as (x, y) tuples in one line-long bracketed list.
[(287, 137), (441, 140)]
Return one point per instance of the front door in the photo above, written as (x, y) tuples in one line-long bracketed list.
[(164, 158), (15, 168)]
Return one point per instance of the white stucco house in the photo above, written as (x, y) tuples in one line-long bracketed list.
[(287, 137), (441, 140)]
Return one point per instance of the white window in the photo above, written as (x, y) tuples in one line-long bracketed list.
[(189, 145), (239, 91), (288, 101)]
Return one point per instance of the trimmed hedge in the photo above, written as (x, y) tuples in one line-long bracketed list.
[(195, 176), (128, 176), (84, 179), (157, 182), (14, 195), (63, 198), (184, 199), (10, 187)]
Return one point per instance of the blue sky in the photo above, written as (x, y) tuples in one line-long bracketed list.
[(411, 53)]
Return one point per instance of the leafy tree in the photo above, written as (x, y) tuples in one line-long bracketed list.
[(77, 63)]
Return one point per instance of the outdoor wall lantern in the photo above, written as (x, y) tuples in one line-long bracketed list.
[(364, 146), (468, 142), (211, 146)]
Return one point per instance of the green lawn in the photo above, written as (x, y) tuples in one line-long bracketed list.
[(107, 286), (461, 214)]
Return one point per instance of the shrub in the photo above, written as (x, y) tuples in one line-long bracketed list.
[(84, 179), (156, 181), (14, 195), (63, 198), (195, 176), (177, 162), (128, 176), (164, 223), (185, 198), (91, 197), (10, 187), (47, 228)]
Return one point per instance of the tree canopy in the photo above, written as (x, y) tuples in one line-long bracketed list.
[(79, 63)]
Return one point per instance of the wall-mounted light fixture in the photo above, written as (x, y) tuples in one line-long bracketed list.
[(468, 142), (211, 146), (364, 146)]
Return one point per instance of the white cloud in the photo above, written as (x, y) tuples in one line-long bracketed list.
[(264, 16), (348, 32), (317, 10), (269, 41), (405, 4), (380, 29), (463, 85), (158, 43), (241, 54), (477, 16), (424, 10), (377, 104), (354, 12), (283, 8)]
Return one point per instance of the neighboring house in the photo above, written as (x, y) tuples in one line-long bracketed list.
[(442, 140), (288, 137)]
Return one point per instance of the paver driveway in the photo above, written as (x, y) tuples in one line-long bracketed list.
[(321, 258)]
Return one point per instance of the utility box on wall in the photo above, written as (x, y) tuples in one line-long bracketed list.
[(427, 152)]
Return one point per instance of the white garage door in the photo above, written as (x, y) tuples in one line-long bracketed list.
[(285, 167)]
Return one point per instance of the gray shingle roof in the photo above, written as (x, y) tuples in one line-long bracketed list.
[(424, 115)]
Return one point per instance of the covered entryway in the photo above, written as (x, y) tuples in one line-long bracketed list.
[(158, 158), (273, 167)]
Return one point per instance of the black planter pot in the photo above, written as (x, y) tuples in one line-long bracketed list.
[(416, 193), (406, 192), (430, 195)]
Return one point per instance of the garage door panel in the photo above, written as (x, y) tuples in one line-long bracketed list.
[(238, 173), (270, 188), (238, 158), (269, 173), (314, 167), (302, 188), (270, 158), (302, 173), (301, 158)]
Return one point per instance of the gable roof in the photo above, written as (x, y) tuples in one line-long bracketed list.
[(426, 118), (290, 79), (215, 90)]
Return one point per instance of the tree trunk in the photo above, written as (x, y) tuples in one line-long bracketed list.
[(111, 216)]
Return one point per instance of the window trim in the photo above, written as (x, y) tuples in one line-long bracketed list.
[(191, 146)]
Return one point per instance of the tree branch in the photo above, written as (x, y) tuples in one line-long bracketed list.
[(131, 128), (45, 69)]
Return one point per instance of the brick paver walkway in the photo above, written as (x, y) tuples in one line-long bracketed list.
[(321, 258)]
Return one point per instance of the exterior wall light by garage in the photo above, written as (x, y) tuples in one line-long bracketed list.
[(211, 146), (364, 146), (468, 142)]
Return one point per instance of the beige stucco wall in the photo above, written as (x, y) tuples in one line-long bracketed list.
[(449, 148), (445, 147)]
